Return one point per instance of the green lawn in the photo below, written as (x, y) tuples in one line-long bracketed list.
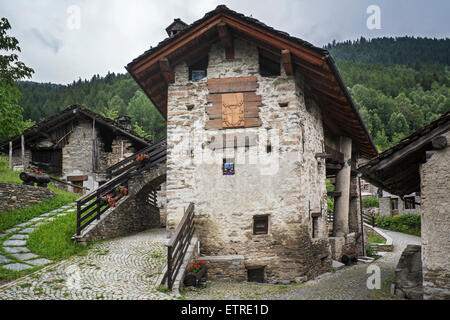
[(375, 239), (51, 240)]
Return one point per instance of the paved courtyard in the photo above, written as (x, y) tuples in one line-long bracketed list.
[(119, 269), (348, 283)]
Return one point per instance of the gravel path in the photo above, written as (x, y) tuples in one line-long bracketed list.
[(121, 268), (348, 283)]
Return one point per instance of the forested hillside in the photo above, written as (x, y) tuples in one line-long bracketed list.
[(398, 84), (110, 96)]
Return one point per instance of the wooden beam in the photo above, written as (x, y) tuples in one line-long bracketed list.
[(166, 70), (226, 39), (287, 62), (22, 144), (10, 154), (412, 147)]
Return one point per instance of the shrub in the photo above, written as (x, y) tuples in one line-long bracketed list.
[(407, 223), (370, 202)]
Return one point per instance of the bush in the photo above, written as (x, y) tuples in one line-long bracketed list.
[(370, 202), (407, 223)]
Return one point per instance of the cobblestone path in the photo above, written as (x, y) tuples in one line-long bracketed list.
[(121, 268), (14, 253), (348, 283)]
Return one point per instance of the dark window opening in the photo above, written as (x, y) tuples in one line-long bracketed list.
[(197, 70), (48, 161), (268, 68), (410, 203), (255, 275), (394, 204), (315, 227), (228, 167), (107, 137), (260, 224)]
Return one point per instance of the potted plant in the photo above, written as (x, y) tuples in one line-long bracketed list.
[(121, 191), (350, 256), (195, 273), (142, 158)]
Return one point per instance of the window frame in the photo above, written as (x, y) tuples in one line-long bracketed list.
[(258, 218)]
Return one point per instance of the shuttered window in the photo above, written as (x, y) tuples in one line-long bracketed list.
[(234, 103)]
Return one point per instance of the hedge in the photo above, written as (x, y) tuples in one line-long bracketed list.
[(407, 223)]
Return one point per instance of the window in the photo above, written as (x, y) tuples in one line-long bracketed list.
[(315, 227), (268, 68), (197, 71), (228, 167), (255, 275), (260, 224), (410, 203), (394, 204)]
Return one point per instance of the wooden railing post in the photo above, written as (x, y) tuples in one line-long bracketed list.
[(169, 267), (98, 206), (78, 219)]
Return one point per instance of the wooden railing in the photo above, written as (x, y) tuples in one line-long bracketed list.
[(91, 206), (178, 245), (129, 162), (369, 219)]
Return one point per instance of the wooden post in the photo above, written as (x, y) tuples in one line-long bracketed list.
[(22, 141), (10, 155), (93, 146)]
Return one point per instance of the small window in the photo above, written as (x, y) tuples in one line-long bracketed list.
[(315, 227), (197, 71), (260, 224), (394, 204), (255, 275), (268, 68), (410, 203), (228, 167)]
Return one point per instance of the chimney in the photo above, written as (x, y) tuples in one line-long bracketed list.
[(124, 121), (176, 26)]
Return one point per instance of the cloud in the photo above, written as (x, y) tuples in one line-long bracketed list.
[(47, 40), (114, 32)]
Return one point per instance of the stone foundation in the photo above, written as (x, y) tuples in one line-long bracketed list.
[(408, 274), (18, 196)]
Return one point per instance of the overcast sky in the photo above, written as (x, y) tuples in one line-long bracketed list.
[(62, 45)]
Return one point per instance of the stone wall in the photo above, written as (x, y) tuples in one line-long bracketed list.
[(18, 196), (288, 187), (133, 212), (435, 185), (408, 274)]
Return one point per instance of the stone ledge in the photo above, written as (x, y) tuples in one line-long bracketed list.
[(388, 246)]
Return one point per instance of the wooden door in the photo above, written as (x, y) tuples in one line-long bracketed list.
[(78, 183)]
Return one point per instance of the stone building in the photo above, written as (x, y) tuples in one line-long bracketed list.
[(256, 122), (393, 205), (421, 163), (76, 145)]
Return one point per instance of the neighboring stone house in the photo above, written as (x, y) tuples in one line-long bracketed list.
[(393, 205), (421, 163), (256, 122), (76, 145)]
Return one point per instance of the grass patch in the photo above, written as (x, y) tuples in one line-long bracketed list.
[(375, 239), (163, 288), (6, 174), (53, 239), (406, 223)]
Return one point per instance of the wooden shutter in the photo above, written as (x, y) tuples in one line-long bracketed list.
[(234, 103)]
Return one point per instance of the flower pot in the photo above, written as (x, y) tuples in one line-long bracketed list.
[(349, 258), (194, 278)]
